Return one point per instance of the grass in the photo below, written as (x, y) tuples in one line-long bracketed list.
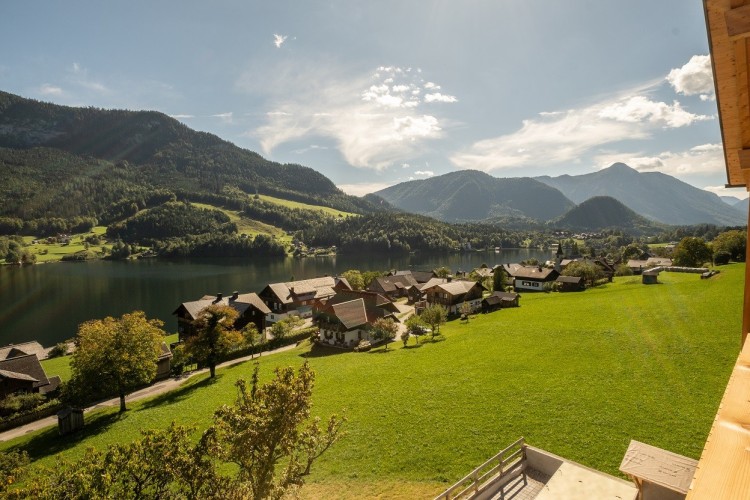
[(57, 366), (306, 206), (577, 374), (249, 226), (56, 251)]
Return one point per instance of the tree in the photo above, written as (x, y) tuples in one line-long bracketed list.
[(589, 271), (284, 327), (691, 251), (498, 279), (355, 279), (434, 315), (442, 272), (268, 425), (118, 354), (405, 337), (415, 326), (214, 336), (250, 335), (384, 329), (465, 310), (733, 242), (12, 466)]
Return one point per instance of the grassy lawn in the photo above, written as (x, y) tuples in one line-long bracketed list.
[(56, 251), (577, 374), (57, 366), (249, 226), (306, 206)]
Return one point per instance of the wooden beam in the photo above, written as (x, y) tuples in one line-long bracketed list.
[(738, 22)]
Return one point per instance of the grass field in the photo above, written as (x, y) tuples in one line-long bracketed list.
[(577, 374), (306, 206), (56, 251), (249, 226)]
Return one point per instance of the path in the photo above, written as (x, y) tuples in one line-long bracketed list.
[(159, 387)]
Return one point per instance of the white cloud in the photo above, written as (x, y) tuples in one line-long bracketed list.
[(50, 90), (373, 128), (702, 159), (224, 117), (80, 76), (438, 97), (405, 165), (565, 136), (182, 117), (363, 188), (426, 173), (279, 40), (431, 86), (694, 78)]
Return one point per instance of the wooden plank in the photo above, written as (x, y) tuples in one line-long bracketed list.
[(738, 22), (724, 467)]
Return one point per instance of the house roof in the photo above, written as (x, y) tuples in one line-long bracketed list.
[(17, 376), (484, 272), (533, 273), (458, 287), (393, 283), (14, 350), (511, 269), (569, 279), (433, 282), (498, 297), (351, 314), (321, 287), (240, 303), (419, 276), (27, 365)]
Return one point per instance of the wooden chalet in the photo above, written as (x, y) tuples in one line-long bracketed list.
[(570, 283), (453, 293), (393, 286), (25, 374), (250, 307), (419, 276), (499, 300), (298, 297), (22, 349), (345, 319), (533, 278)]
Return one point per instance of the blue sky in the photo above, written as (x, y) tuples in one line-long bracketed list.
[(375, 93)]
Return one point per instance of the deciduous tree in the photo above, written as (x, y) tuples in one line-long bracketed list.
[(733, 242), (214, 336), (384, 329), (118, 354), (691, 252), (434, 315)]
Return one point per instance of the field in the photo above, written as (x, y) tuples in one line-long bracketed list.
[(56, 251), (577, 374), (249, 226), (306, 206)]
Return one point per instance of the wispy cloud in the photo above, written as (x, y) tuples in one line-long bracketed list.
[(565, 136), (47, 89), (438, 97), (224, 117), (694, 78), (279, 40), (182, 116), (424, 173), (79, 75), (702, 159), (725, 191), (375, 121)]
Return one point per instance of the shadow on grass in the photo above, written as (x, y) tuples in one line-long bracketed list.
[(319, 351), (379, 350), (433, 340), (49, 442), (178, 394), (413, 346)]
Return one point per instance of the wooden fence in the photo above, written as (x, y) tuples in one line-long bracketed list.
[(507, 464)]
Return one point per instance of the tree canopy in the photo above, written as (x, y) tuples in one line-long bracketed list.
[(214, 336), (691, 251)]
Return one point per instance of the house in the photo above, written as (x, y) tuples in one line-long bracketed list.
[(297, 297), (15, 350), (511, 269), (393, 286), (345, 319), (499, 300), (483, 272), (638, 266), (25, 374), (533, 278), (164, 363), (570, 283), (419, 276), (453, 293), (250, 307)]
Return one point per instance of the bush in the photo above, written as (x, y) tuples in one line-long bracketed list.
[(60, 349), (20, 402), (363, 346), (623, 270), (722, 257)]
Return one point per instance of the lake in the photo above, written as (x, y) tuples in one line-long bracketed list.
[(47, 302)]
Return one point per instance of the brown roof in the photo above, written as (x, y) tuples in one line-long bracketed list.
[(393, 283), (17, 376), (321, 287), (569, 279), (14, 350), (351, 314), (27, 365), (433, 282), (241, 303), (533, 273)]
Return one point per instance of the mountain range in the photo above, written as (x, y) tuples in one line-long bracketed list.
[(470, 195)]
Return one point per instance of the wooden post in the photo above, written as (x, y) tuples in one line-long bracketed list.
[(746, 308)]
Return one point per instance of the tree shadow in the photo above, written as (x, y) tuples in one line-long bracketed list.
[(50, 442), (434, 340), (178, 394), (319, 351), (413, 346), (379, 350)]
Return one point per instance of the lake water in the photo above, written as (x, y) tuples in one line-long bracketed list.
[(47, 302)]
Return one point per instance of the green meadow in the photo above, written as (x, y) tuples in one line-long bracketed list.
[(578, 374)]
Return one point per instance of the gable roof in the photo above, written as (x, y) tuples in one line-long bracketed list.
[(433, 282), (569, 279), (286, 292), (458, 287), (17, 376), (393, 283), (27, 365), (15, 350), (533, 273), (511, 269), (241, 303), (351, 314)]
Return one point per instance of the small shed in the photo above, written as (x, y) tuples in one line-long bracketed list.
[(69, 420), (650, 277), (570, 283), (658, 474)]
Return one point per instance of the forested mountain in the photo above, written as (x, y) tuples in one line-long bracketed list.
[(129, 152), (654, 195), (470, 195), (605, 212)]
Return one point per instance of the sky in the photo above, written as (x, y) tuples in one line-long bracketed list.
[(375, 93)]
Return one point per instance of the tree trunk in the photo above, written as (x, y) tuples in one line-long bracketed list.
[(122, 402), (212, 370)]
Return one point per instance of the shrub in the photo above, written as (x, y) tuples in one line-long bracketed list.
[(20, 402), (60, 349), (623, 270), (722, 257)]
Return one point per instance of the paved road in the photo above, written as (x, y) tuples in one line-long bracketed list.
[(157, 388)]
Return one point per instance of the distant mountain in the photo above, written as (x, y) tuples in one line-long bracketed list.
[(470, 195), (730, 200), (604, 212), (742, 205), (139, 150), (654, 195)]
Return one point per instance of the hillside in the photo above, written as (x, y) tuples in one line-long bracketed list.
[(470, 195), (127, 152), (654, 195), (604, 212)]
